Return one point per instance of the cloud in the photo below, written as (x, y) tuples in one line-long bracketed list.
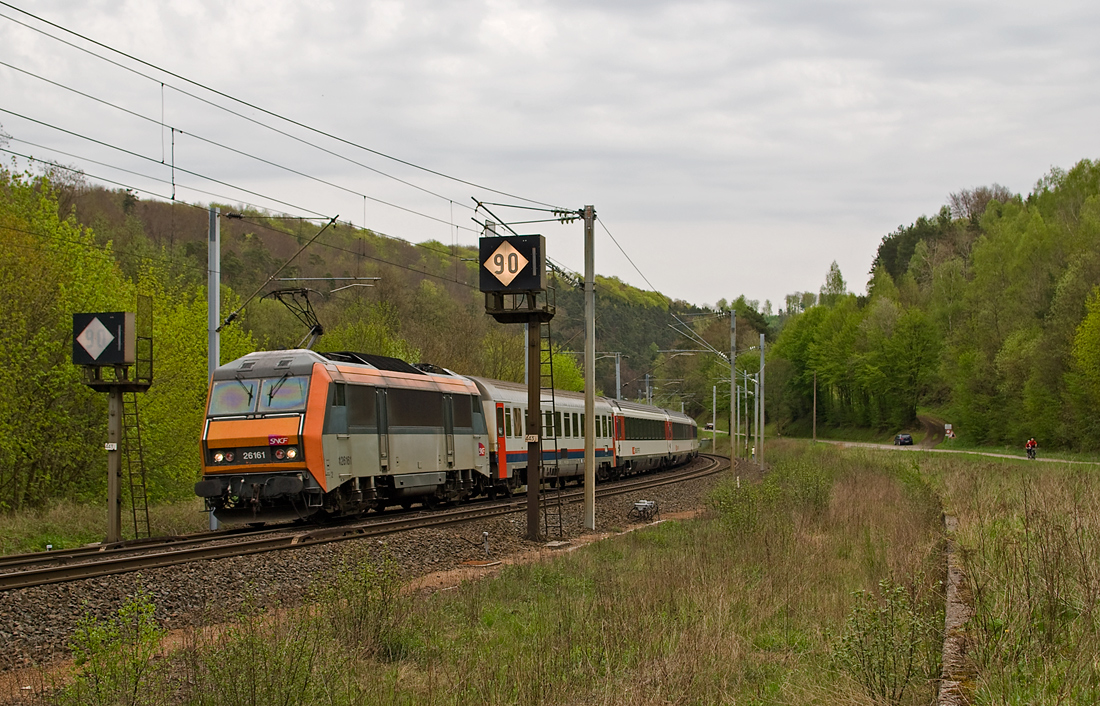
[(764, 139)]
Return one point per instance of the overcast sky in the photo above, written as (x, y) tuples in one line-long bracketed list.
[(729, 147)]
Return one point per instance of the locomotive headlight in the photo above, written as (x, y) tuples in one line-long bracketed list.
[(219, 457), (229, 457), (280, 454), (292, 453)]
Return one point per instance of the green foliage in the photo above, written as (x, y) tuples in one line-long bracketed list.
[(115, 659), (888, 642), (50, 268), (982, 311), (365, 607), (371, 329)]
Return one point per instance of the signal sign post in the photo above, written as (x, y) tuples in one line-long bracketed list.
[(513, 274), (107, 345)]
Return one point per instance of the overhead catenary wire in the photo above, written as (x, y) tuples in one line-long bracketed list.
[(253, 106), (321, 243), (155, 161), (162, 84), (234, 150)]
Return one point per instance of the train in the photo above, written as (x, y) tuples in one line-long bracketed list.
[(293, 434)]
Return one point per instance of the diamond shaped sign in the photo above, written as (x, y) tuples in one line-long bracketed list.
[(505, 263), (104, 338), (95, 338)]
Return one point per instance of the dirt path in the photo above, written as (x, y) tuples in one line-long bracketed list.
[(891, 447), (933, 431)]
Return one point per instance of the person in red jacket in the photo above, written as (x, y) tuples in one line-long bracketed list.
[(1030, 447)]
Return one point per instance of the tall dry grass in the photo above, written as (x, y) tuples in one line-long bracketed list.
[(752, 604), (1031, 534), (66, 524)]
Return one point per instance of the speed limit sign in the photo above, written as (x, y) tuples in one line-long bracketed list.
[(513, 264)]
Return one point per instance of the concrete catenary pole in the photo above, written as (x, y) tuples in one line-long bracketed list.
[(589, 368), (733, 386), (114, 465), (618, 376), (815, 406), (534, 448), (762, 420), (213, 303)]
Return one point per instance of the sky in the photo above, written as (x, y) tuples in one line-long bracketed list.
[(728, 147)]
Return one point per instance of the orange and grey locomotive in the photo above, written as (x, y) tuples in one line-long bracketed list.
[(293, 433)]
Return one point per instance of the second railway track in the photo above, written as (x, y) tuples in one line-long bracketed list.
[(25, 571)]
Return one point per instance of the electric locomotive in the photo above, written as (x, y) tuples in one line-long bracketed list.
[(294, 433)]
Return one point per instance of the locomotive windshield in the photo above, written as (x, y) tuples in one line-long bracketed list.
[(285, 394), (233, 397), (237, 397)]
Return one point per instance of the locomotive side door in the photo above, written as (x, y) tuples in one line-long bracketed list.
[(449, 428), (383, 431)]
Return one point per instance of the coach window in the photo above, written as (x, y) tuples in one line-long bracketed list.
[(507, 421), (568, 428), (583, 430), (500, 421), (557, 424), (517, 421), (547, 424)]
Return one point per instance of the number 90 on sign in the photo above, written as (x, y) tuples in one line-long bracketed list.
[(513, 264)]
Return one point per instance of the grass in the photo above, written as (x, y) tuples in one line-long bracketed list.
[(803, 429), (773, 597), (1031, 537), (962, 444), (65, 525)]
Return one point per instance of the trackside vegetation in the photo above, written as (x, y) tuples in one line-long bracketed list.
[(819, 583), (987, 314)]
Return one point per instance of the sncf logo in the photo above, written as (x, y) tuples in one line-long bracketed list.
[(480, 449), (277, 440)]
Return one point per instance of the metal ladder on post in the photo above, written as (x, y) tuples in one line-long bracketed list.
[(551, 499), (135, 464)]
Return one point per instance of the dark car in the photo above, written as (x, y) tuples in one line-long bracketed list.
[(903, 440)]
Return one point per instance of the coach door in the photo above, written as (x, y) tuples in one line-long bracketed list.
[(449, 428), (383, 431)]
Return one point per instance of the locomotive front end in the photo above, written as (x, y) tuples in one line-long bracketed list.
[(256, 451)]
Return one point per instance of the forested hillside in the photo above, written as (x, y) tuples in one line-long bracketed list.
[(987, 313), (71, 247)]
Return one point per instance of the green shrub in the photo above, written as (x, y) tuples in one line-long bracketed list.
[(115, 659)]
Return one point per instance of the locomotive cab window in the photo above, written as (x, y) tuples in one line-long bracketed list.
[(233, 397), (285, 394)]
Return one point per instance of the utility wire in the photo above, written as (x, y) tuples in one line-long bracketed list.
[(233, 149), (253, 222), (156, 161), (264, 110), (620, 247)]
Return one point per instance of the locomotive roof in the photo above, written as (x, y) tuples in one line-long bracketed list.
[(261, 363)]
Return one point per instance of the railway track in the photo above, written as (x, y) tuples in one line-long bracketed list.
[(27, 570)]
